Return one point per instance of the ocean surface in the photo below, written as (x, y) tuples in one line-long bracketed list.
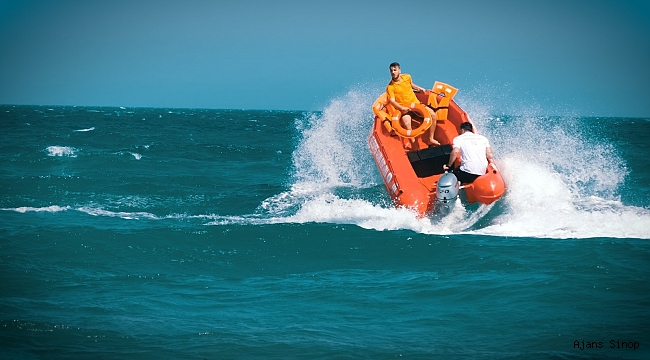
[(131, 233)]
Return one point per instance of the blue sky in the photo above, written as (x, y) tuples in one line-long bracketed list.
[(584, 57)]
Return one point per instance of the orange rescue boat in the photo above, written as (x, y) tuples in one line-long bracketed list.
[(415, 177)]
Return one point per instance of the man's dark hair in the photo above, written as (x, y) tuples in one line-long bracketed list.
[(467, 126), (393, 64)]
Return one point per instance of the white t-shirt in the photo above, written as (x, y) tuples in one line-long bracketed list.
[(472, 152)]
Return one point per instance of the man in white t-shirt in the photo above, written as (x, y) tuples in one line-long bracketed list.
[(475, 153)]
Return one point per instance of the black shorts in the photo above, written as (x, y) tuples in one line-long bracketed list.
[(464, 177), (415, 115)]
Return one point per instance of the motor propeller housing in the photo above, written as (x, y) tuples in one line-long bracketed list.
[(447, 188)]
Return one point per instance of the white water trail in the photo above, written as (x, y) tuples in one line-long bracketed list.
[(561, 183), (331, 155)]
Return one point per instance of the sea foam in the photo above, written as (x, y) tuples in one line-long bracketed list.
[(85, 130), (61, 151), (50, 209)]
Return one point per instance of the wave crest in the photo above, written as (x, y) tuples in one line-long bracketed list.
[(61, 151)]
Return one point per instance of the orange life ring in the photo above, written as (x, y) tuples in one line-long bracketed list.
[(396, 115)]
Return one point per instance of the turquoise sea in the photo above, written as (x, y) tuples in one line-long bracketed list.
[(149, 233)]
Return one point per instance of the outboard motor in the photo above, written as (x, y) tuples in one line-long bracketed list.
[(447, 189)]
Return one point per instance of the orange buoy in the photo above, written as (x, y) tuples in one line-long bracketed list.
[(396, 115)]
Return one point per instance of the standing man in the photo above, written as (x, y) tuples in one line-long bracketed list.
[(475, 153), (401, 96)]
